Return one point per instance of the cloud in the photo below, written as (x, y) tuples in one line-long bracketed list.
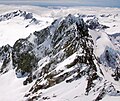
[(110, 3)]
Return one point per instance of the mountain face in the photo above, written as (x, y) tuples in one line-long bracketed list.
[(67, 51), (5, 57), (24, 14), (19, 24)]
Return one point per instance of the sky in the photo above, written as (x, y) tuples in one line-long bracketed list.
[(106, 3)]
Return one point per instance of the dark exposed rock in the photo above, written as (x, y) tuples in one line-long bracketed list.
[(5, 57), (71, 40), (19, 13), (28, 16), (28, 80), (57, 42), (101, 95), (23, 57), (41, 35), (46, 98), (94, 24)]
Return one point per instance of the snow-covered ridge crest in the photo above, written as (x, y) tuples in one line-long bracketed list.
[(62, 55), (18, 13), (19, 24)]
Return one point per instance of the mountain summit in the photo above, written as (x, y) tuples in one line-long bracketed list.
[(62, 61)]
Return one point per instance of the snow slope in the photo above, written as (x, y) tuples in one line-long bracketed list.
[(12, 88), (18, 27)]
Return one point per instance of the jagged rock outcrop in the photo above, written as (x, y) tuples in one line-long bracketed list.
[(94, 24), (64, 38), (64, 51), (23, 57), (19, 13), (5, 57)]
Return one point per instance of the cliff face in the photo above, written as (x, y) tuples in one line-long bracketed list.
[(5, 58), (62, 52)]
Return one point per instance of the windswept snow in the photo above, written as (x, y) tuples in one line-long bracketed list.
[(19, 27), (11, 87), (67, 91), (14, 29)]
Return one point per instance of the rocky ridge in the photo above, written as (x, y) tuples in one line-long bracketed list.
[(22, 14), (43, 56)]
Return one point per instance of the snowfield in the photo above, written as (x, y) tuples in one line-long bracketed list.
[(12, 88), (19, 27), (16, 26)]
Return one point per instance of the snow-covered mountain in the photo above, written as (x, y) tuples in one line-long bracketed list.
[(19, 24), (76, 58)]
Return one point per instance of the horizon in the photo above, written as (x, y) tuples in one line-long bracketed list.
[(68, 3)]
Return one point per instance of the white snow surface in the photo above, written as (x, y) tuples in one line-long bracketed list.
[(11, 87), (13, 29)]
